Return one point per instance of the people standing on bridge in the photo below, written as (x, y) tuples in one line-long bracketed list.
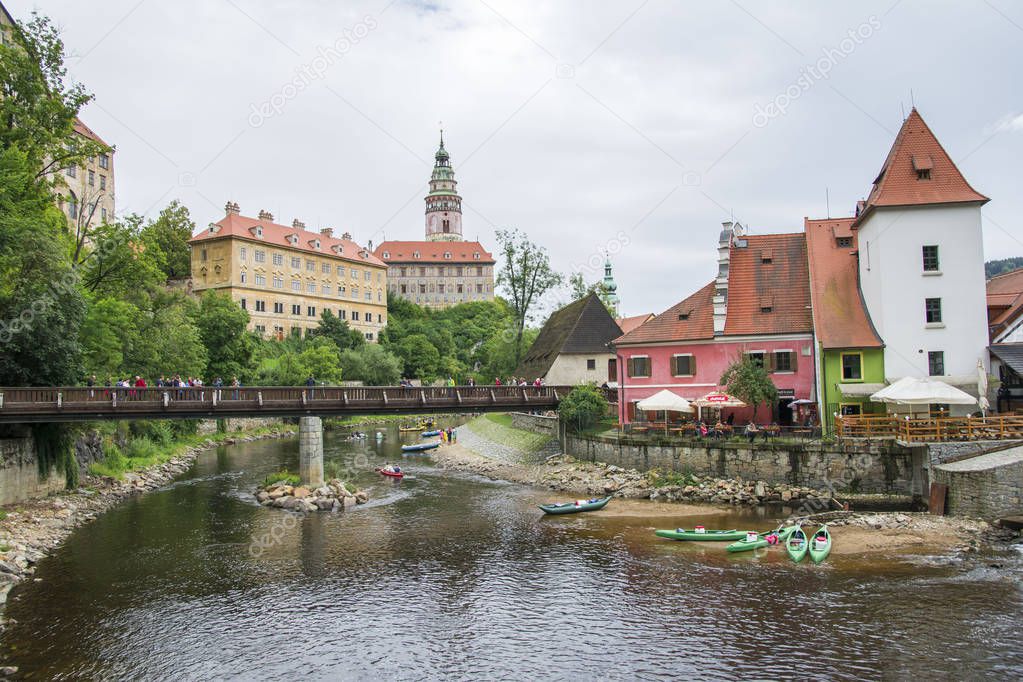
[(90, 382), (311, 383), (218, 383), (236, 384)]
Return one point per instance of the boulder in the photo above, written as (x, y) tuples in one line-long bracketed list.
[(349, 502), (361, 497), (300, 492)]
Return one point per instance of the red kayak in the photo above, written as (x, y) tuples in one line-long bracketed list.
[(392, 474)]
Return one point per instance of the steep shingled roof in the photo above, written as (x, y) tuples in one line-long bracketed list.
[(629, 323), (840, 318), (782, 284), (433, 252), (583, 326), (688, 320), (917, 149)]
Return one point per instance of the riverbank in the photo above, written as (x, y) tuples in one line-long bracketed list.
[(31, 530)]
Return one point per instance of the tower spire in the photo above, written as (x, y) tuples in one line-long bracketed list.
[(443, 204)]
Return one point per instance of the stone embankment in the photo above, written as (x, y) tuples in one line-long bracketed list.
[(332, 496), (32, 529)]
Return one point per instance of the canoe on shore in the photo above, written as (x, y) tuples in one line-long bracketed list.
[(420, 447), (429, 434), (705, 536), (797, 545), (392, 474), (575, 507), (410, 428), (761, 540), (820, 545)]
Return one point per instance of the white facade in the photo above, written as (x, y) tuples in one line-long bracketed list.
[(573, 369), (895, 287)]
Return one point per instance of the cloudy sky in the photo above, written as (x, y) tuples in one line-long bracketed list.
[(635, 127)]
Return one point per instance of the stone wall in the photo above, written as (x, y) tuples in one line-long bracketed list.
[(19, 472), (535, 423), (988, 486), (867, 469), (950, 452), (207, 426)]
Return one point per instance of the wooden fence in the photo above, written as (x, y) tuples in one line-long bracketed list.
[(930, 429)]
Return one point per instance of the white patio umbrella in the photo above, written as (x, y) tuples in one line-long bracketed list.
[(982, 387), (917, 391), (664, 401)]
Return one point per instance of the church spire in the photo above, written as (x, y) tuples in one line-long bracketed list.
[(609, 286), (443, 205)]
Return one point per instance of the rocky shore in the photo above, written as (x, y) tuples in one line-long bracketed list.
[(334, 495), (30, 530)]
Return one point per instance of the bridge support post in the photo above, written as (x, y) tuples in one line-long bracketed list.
[(310, 451)]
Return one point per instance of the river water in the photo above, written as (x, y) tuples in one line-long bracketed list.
[(448, 575)]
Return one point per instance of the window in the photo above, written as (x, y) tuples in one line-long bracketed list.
[(387, 254), (342, 314), (612, 369), (296, 332), (369, 336), (102, 182), (103, 214), (260, 280), (202, 254), (341, 290), (278, 282), (852, 367), (639, 366), (311, 311), (923, 174), (783, 361), (244, 276), (355, 316), (440, 288), (310, 266), (296, 262), (369, 296), (402, 272), (325, 289), (92, 178), (757, 357), (843, 242), (261, 328), (458, 288), (380, 318), (422, 288), (310, 287), (367, 275), (479, 271), (355, 292), (278, 259), (591, 364), (849, 409), (243, 254), (403, 288), (260, 306), (936, 363), (296, 309), (296, 285), (368, 316), (932, 308), (683, 316), (479, 288), (242, 301), (683, 365), (104, 161), (71, 171), (260, 256), (325, 268), (931, 263), (279, 308), (340, 271), (459, 272)]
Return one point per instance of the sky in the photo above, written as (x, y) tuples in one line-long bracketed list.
[(631, 128)]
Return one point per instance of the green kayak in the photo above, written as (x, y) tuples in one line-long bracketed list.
[(746, 545), (575, 507), (820, 546), (797, 545), (705, 536)]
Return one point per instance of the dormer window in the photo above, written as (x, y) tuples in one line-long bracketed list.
[(683, 316), (447, 255), (476, 256), (843, 242), (315, 243), (415, 254), (257, 231), (766, 256), (387, 254), (292, 239), (923, 165), (766, 304), (924, 174)]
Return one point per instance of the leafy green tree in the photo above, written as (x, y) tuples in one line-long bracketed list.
[(321, 361), (337, 330), (748, 381), (118, 262), (419, 357), (169, 234), (526, 276), (583, 407), (168, 340), (108, 333), (372, 365), (222, 327)]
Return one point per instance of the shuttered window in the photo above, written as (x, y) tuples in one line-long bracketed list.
[(784, 361), (683, 366), (639, 367)]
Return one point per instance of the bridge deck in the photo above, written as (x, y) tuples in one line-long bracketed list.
[(66, 404)]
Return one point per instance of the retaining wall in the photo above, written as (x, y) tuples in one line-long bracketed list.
[(988, 486), (19, 472), (535, 423)]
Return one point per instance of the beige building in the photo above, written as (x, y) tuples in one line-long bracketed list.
[(444, 269), (285, 277)]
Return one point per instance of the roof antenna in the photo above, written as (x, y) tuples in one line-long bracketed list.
[(827, 201), (902, 107), (912, 103)]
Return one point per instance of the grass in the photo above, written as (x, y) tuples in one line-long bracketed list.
[(282, 476), (500, 418), (141, 452), (496, 431)]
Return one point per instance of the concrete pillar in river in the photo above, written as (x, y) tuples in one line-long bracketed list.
[(310, 451)]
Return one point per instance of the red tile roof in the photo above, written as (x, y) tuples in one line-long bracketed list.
[(783, 284), (629, 323), (1004, 300), (840, 318), (698, 311), (433, 252), (86, 131), (916, 148), (234, 225)]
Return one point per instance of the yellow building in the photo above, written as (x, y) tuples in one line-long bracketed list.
[(285, 277)]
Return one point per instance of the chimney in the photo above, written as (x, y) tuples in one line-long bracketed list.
[(347, 236), (266, 216), (231, 208), (327, 232), (369, 247), (721, 283), (298, 224)]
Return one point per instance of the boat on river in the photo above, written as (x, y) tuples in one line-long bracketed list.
[(429, 434), (392, 474), (577, 506), (820, 546), (420, 447), (702, 535), (758, 540), (797, 545)]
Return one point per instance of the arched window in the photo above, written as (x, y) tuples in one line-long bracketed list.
[(72, 206), (447, 226)]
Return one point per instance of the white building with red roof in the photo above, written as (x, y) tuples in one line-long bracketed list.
[(443, 269)]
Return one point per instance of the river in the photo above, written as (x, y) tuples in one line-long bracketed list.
[(448, 575)]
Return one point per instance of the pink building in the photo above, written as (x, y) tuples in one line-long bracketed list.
[(759, 304)]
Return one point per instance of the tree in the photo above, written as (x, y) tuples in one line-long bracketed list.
[(337, 330), (419, 358), (119, 264), (108, 334), (168, 339), (583, 407), (372, 365), (321, 361), (222, 324), (579, 289), (526, 276), (748, 381), (169, 234)]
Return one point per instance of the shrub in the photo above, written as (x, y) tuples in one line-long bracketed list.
[(333, 469), (583, 407), (184, 427), (350, 487), (282, 476), (158, 432), (142, 448)]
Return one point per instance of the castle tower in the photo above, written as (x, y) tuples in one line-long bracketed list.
[(610, 287), (443, 205)]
